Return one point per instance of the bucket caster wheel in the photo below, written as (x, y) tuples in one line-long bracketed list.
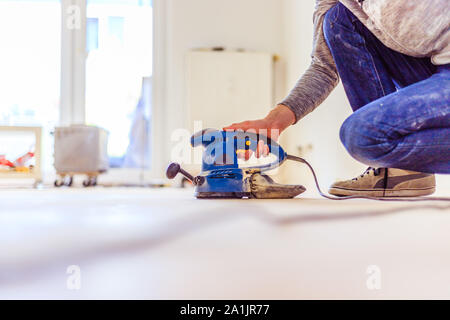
[(58, 183), (68, 182), (90, 182), (64, 181)]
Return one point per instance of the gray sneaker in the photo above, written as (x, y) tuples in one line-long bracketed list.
[(383, 182)]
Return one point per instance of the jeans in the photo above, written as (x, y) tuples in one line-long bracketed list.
[(401, 104)]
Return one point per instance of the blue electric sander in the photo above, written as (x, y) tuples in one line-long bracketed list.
[(221, 176)]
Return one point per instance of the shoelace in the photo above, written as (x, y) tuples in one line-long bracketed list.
[(376, 172)]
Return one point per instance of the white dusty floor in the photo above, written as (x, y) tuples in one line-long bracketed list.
[(163, 243)]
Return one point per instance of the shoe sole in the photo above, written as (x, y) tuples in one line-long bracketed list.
[(388, 193)]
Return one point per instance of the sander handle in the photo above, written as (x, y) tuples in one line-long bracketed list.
[(231, 141)]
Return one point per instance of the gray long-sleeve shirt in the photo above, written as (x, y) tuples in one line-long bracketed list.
[(418, 28)]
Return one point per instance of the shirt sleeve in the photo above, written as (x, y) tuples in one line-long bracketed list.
[(321, 77)]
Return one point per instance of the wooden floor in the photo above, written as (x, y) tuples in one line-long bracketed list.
[(164, 244)]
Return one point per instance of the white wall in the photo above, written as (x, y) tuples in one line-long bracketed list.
[(249, 24)]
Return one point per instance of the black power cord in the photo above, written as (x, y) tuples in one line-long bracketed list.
[(415, 199)]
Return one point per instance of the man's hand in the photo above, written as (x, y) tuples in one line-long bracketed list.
[(272, 125)]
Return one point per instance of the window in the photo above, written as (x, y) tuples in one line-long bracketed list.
[(30, 67), (47, 80), (119, 76)]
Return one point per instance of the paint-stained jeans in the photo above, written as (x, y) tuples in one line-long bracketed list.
[(401, 104)]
